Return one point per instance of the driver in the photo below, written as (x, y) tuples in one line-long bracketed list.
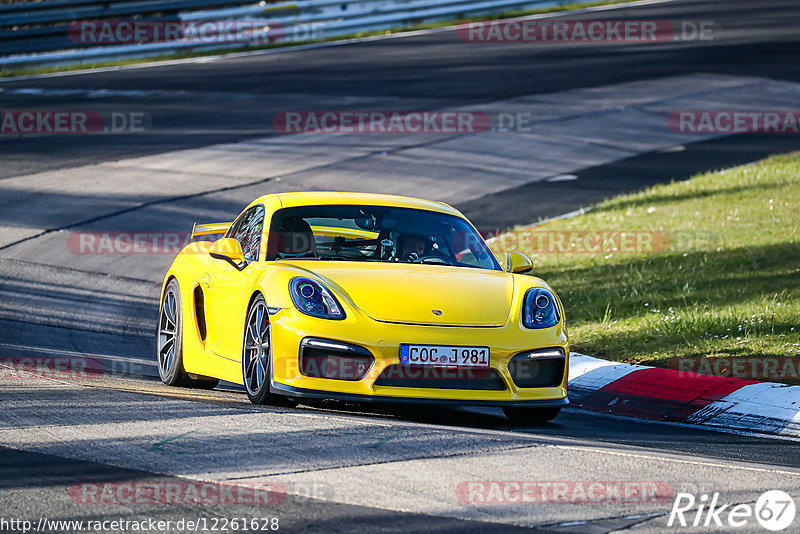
[(411, 247)]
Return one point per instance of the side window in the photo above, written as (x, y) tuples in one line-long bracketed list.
[(247, 231)]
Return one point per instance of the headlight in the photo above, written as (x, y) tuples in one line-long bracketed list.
[(539, 309), (314, 299)]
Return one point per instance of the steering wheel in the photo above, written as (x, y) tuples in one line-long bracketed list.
[(426, 258)]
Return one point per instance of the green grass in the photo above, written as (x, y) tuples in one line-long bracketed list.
[(194, 54), (733, 292)]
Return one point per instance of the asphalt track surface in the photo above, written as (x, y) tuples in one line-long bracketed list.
[(67, 308)]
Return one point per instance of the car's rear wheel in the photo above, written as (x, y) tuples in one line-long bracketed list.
[(257, 356), (531, 416), (170, 342)]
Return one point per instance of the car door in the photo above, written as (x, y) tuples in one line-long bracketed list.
[(230, 289)]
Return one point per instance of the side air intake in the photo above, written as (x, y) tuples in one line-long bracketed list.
[(200, 312)]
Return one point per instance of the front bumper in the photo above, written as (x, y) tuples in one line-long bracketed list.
[(382, 340), (300, 393)]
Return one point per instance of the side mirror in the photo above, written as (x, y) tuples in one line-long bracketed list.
[(517, 262), (230, 250)]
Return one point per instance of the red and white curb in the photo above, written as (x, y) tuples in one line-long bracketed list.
[(679, 396)]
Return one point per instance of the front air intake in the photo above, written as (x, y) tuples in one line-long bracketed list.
[(321, 358), (538, 368)]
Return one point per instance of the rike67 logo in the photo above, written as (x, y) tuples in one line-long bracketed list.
[(774, 510)]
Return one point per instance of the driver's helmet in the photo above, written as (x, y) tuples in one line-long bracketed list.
[(408, 244)]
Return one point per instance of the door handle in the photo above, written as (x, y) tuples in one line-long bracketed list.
[(205, 280)]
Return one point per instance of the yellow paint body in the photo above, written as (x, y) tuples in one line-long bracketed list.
[(386, 304)]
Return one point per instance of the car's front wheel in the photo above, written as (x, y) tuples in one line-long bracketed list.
[(257, 356), (170, 342), (531, 416), (256, 352)]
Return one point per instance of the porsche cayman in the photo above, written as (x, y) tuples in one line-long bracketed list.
[(361, 297)]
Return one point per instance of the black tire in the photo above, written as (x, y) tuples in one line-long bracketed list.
[(169, 342), (531, 416), (258, 343), (255, 356)]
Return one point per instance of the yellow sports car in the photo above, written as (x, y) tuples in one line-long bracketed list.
[(362, 297)]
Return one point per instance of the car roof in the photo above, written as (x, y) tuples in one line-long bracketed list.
[(316, 198)]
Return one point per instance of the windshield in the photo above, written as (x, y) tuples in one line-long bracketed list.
[(376, 233)]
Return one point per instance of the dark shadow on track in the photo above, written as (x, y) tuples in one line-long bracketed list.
[(541, 200)]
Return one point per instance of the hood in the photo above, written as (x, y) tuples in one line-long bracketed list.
[(409, 293)]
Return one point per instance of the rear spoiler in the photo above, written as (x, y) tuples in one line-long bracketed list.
[(199, 230)]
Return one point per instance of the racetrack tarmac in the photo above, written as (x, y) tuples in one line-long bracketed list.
[(337, 459)]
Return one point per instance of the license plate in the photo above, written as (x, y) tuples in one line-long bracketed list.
[(444, 355)]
